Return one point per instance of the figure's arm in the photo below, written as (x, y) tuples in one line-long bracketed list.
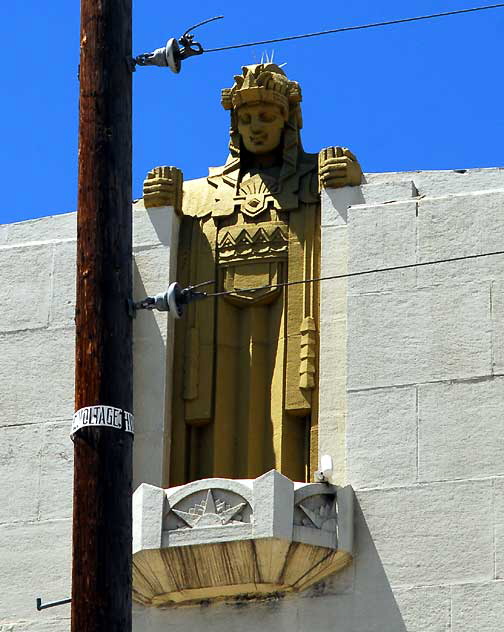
[(163, 187), (338, 167)]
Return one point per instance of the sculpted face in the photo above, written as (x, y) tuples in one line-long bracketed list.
[(260, 125)]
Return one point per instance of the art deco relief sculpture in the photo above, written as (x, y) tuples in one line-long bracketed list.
[(222, 538), (245, 378)]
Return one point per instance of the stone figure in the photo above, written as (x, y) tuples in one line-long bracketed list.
[(245, 378)]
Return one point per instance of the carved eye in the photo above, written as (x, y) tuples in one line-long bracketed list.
[(244, 118), (267, 117)]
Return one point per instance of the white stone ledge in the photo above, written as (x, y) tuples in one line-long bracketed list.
[(444, 182), (281, 536)]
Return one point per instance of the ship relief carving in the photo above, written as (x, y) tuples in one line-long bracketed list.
[(317, 512), (208, 508)]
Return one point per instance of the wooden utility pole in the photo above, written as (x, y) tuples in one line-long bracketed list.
[(101, 574)]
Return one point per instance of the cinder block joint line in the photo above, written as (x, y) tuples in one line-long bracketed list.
[(423, 484), (51, 287), (417, 421), (494, 533), (456, 380)]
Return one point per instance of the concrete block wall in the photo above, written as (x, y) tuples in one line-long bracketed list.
[(411, 398), (155, 238), (420, 436), (410, 410), (37, 275)]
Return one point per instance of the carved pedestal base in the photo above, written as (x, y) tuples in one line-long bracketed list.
[(218, 538)]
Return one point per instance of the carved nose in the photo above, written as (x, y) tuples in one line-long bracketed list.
[(256, 125)]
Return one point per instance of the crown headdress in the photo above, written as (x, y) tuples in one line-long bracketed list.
[(262, 83)]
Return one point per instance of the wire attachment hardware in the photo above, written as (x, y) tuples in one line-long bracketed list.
[(173, 300), (51, 604), (172, 54)]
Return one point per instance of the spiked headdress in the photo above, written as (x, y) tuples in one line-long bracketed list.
[(262, 83)]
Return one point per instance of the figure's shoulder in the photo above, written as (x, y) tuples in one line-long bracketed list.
[(165, 186), (308, 178), (197, 197)]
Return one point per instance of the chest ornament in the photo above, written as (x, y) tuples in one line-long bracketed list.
[(257, 194), (252, 255)]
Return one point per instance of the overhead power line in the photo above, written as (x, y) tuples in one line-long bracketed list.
[(355, 274), (357, 28), (175, 299)]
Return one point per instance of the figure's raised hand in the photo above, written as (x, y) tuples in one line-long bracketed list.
[(338, 167), (163, 187)]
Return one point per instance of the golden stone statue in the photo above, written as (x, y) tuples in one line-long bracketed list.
[(245, 377)]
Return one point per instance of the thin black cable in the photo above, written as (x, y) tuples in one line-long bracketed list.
[(356, 274), (357, 28)]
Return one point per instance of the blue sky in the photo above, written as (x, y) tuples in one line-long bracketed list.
[(427, 95)]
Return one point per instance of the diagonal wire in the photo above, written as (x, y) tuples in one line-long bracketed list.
[(357, 28), (357, 274)]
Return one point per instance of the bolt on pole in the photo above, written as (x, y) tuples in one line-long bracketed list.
[(102, 432)]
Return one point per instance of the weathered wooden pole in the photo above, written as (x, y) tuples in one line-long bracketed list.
[(101, 574)]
